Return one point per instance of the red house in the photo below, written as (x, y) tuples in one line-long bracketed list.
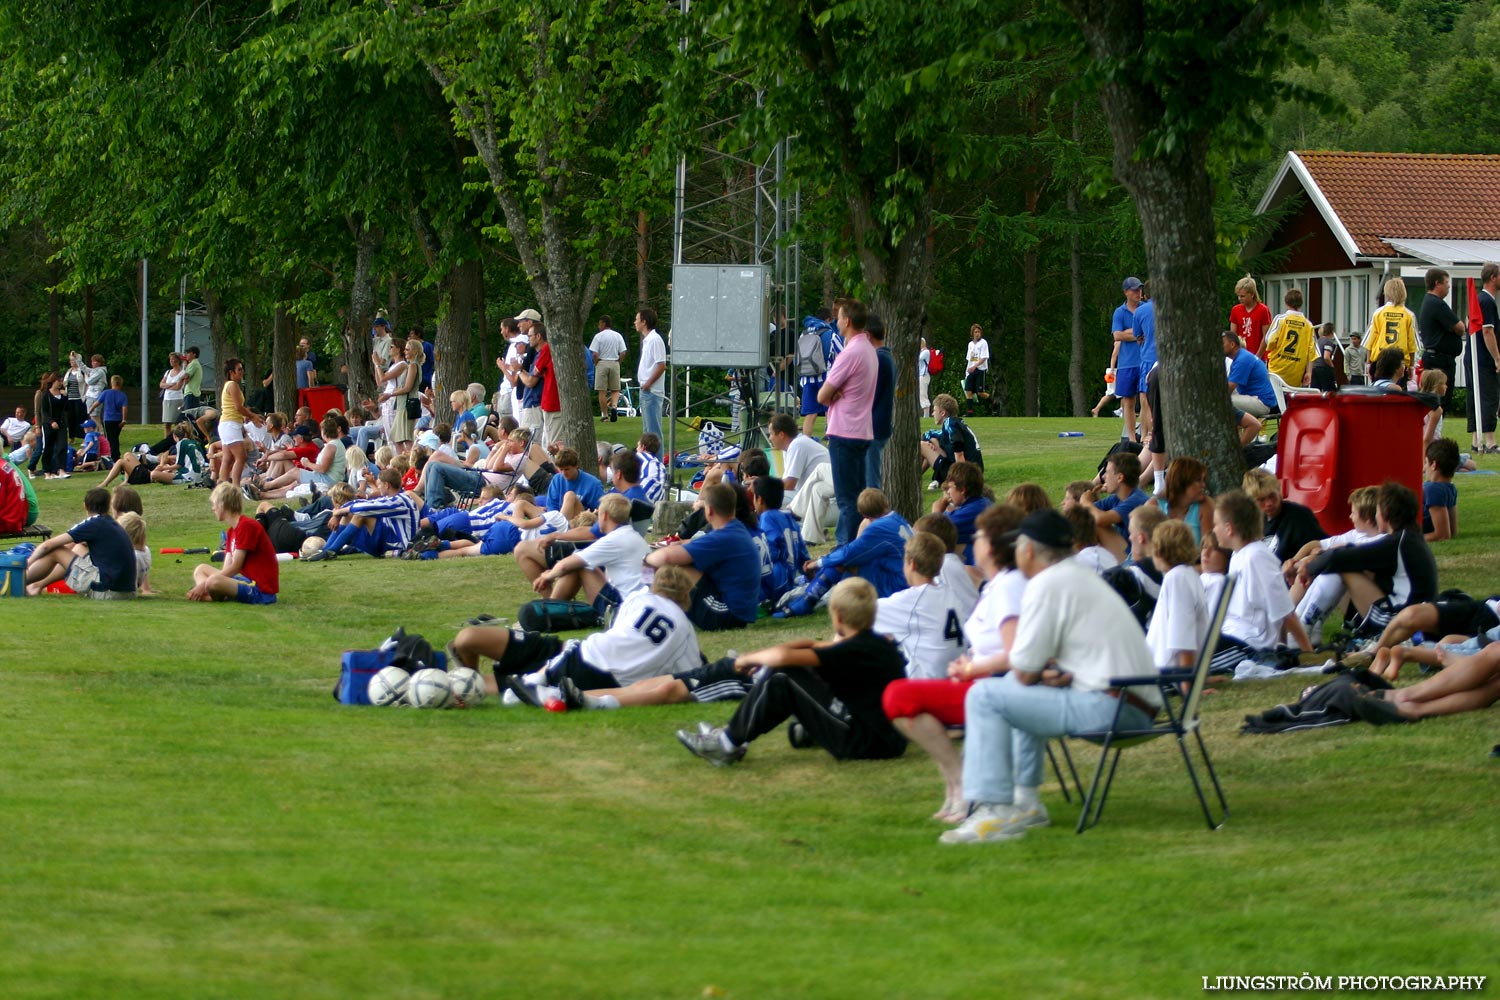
[(1353, 220)]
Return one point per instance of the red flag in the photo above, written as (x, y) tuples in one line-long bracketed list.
[(1476, 319)]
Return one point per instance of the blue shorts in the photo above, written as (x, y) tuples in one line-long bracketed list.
[(1127, 382), (607, 598), (249, 593), (810, 405)]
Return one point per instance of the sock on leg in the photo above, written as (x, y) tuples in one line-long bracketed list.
[(1160, 477), (603, 701), (1026, 797), (536, 678)]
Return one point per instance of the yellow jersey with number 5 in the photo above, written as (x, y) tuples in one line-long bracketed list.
[(1291, 344), (1392, 326)]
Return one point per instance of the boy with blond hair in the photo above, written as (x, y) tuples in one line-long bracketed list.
[(832, 688)]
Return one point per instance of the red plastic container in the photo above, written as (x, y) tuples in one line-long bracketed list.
[(1333, 443), (320, 399)]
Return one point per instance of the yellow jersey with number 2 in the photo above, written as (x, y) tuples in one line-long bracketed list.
[(1291, 344)]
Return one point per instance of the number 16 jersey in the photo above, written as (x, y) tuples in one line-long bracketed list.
[(650, 636)]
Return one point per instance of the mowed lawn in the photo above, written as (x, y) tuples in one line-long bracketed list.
[(186, 812)]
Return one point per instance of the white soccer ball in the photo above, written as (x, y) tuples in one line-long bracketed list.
[(388, 686), (314, 544), (467, 686), (429, 689)]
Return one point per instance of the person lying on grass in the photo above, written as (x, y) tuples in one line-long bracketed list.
[(650, 637), (1465, 684), (831, 688), (249, 574), (1466, 626)]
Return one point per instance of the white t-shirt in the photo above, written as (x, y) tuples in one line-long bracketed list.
[(16, 429), (1072, 616), (1260, 599), (653, 353), (650, 637), (552, 522), (978, 350), (926, 621), (956, 575), (620, 554), (1213, 584), (1351, 537), (1180, 620), (802, 456), (608, 344), (923, 356), (999, 600), (175, 381), (1097, 558)]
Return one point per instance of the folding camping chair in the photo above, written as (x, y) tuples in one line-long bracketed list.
[(1181, 710)]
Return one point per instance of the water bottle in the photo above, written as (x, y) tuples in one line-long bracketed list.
[(1070, 434), (1109, 381)]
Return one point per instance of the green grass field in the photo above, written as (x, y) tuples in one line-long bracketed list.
[(187, 813)]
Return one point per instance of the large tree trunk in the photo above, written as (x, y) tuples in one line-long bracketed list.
[(1076, 385), (54, 323), (1174, 196), (482, 323), (88, 321), (284, 361), (642, 286), (460, 291), (361, 376), (898, 279)]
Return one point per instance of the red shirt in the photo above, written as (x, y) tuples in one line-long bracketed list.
[(260, 557), (409, 480), (1250, 324), (543, 367), (307, 451)]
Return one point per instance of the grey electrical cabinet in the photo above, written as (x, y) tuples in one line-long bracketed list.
[(720, 315)]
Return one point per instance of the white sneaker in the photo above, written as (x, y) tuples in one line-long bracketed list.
[(988, 824), (1035, 816)]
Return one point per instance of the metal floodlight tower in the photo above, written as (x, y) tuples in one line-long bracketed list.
[(734, 210)]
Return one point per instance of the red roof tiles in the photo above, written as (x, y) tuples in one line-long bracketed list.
[(1415, 195)]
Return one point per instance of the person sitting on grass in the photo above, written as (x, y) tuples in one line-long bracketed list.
[(876, 553), (328, 467), (381, 525), (788, 552), (964, 579), (1316, 598), (135, 529), (1385, 575), (18, 504), (249, 573), (833, 689), (571, 482), (962, 502), (94, 556), (608, 570), (1288, 526), (950, 441), (1261, 608), (1086, 539), (1073, 634), (87, 456), (518, 521), (1180, 619), (649, 638), (1122, 471), (1439, 495), (722, 562)]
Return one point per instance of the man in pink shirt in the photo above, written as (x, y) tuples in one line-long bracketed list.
[(849, 394)]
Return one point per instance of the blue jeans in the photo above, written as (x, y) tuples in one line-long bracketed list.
[(651, 413), (872, 462), (364, 436), (441, 477), (1007, 725), (847, 456)]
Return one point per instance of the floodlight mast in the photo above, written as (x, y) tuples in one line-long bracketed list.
[(731, 207)]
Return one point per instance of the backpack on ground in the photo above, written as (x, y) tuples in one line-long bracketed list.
[(547, 615), (811, 362), (935, 361)]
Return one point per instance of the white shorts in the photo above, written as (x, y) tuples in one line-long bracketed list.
[(231, 431)]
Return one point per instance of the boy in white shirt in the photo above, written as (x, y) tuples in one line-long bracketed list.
[(955, 573), (926, 619), (1316, 598), (1261, 608), (1180, 620), (608, 570)]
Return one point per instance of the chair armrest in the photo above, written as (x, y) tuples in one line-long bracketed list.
[(1146, 680)]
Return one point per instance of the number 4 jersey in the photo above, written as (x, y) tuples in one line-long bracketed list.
[(926, 621), (651, 636)]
